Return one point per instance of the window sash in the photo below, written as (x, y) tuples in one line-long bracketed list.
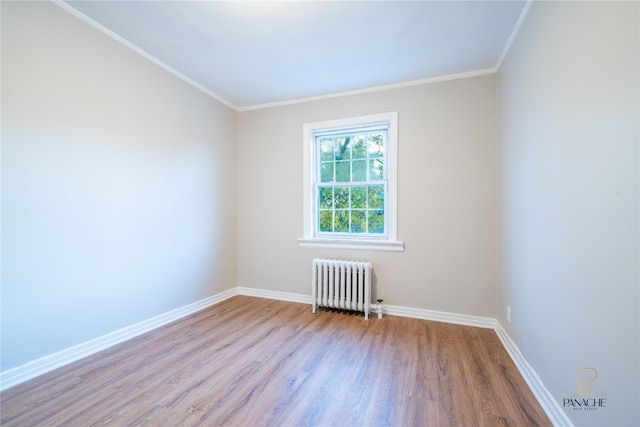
[(318, 161), (350, 131), (354, 235)]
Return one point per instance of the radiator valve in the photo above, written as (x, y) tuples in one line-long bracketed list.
[(379, 308)]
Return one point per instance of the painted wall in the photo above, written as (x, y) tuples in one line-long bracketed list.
[(569, 241), (446, 200), (118, 186)]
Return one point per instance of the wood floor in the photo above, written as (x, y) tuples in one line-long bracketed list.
[(257, 362)]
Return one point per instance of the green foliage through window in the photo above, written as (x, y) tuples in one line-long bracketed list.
[(351, 183), (357, 209)]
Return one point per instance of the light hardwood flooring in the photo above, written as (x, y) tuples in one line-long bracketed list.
[(257, 362)]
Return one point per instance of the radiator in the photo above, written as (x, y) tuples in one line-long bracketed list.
[(341, 284)]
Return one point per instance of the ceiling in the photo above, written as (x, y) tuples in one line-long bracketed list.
[(256, 53)]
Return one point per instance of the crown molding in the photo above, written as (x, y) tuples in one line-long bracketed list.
[(435, 79), (372, 89), (84, 18), (514, 33)]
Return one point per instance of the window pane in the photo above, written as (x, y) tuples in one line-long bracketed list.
[(326, 149), (359, 147), (358, 221), (342, 150), (376, 170), (326, 172), (359, 170), (341, 198), (342, 221), (326, 221), (376, 197), (376, 221), (343, 171), (325, 198), (358, 197), (376, 145)]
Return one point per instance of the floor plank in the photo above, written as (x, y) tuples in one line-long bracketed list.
[(256, 362)]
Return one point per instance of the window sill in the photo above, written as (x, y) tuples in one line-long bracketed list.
[(374, 245)]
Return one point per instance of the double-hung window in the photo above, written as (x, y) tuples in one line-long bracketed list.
[(350, 183)]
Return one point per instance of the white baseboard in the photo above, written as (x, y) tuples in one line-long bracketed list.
[(551, 407), (394, 310), (282, 296), (22, 373), (441, 316)]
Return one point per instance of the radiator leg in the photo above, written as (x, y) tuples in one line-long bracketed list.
[(367, 289), (314, 287), (379, 308)]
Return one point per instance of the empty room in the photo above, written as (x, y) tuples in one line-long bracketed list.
[(320, 213)]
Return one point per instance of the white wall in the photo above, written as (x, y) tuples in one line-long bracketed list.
[(119, 193), (569, 130), (446, 201), (118, 186)]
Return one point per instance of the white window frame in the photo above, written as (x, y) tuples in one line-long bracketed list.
[(388, 241)]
